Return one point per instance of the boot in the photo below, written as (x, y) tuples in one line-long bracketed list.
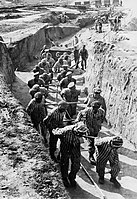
[(72, 181), (66, 182), (101, 180), (115, 182), (92, 160)]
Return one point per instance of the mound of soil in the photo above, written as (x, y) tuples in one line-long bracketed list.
[(26, 170), (51, 17)]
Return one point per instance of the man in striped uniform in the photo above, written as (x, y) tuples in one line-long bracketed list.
[(52, 121), (70, 149), (95, 96), (107, 151), (93, 117)]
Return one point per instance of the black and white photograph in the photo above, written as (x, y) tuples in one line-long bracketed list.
[(68, 99)]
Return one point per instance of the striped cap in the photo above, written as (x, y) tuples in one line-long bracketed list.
[(117, 142)]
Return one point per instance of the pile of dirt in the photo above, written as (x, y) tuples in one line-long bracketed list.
[(11, 27), (85, 20), (132, 25), (6, 65), (26, 169), (50, 17)]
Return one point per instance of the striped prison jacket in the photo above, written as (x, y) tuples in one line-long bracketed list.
[(54, 119), (92, 120), (104, 153), (68, 137)]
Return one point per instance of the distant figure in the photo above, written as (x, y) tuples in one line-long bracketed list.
[(121, 3), (76, 56), (63, 18), (98, 25), (66, 59), (75, 41), (84, 57), (117, 23), (57, 66)]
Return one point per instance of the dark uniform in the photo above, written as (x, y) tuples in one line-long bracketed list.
[(93, 121), (84, 57), (36, 111), (46, 77), (52, 121), (38, 69), (70, 149), (76, 56), (34, 90), (61, 75), (65, 81), (107, 151), (36, 80)]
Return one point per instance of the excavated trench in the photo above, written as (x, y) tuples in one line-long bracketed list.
[(22, 151), (28, 49), (23, 155)]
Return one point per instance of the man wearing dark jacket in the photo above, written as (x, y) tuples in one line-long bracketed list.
[(84, 57), (76, 56), (36, 110), (36, 80), (65, 81)]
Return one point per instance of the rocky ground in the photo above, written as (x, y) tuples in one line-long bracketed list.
[(25, 169)]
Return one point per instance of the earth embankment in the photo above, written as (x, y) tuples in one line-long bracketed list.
[(26, 49), (6, 65), (114, 68), (26, 170)]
